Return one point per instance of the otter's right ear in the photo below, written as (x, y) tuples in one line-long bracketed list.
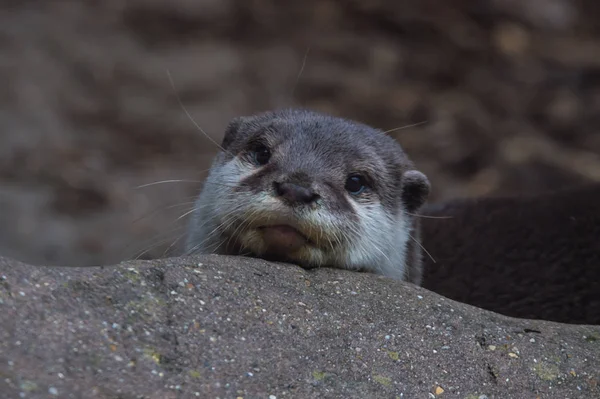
[(232, 130), (415, 190)]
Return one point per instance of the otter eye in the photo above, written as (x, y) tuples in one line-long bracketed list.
[(355, 184), (260, 154)]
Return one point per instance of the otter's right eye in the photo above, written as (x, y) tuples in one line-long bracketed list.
[(355, 184), (260, 154)]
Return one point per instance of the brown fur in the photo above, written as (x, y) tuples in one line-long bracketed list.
[(534, 257)]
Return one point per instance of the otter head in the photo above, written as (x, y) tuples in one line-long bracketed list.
[(310, 189)]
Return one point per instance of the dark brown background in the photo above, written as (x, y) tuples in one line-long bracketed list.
[(510, 90)]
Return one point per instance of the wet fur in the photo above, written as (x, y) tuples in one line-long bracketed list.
[(370, 233)]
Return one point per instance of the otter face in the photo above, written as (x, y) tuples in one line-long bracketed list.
[(311, 189)]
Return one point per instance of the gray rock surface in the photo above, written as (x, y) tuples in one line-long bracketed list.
[(224, 327)]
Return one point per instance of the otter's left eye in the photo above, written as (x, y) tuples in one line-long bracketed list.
[(356, 184), (260, 154)]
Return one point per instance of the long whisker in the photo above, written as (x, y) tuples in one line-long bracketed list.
[(161, 208), (220, 184), (405, 127), (215, 230), (194, 209), (208, 237), (301, 70), (190, 116), (428, 217), (422, 247), (158, 241), (155, 242), (383, 253), (185, 181), (168, 181), (242, 226), (173, 244)]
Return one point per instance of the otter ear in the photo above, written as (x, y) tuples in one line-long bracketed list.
[(232, 130), (415, 190)]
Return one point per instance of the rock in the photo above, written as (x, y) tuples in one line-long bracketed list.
[(231, 327)]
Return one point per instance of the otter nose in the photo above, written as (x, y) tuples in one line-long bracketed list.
[(294, 193)]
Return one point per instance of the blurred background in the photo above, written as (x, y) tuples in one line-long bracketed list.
[(509, 91)]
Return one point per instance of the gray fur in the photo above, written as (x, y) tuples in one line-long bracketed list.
[(371, 232)]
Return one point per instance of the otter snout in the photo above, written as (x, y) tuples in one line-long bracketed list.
[(294, 193)]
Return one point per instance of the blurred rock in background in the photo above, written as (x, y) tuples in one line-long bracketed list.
[(509, 91)]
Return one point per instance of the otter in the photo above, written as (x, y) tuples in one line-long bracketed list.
[(315, 190), (535, 256)]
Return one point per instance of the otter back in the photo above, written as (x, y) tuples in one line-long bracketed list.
[(535, 257)]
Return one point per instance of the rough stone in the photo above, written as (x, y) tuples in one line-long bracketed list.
[(226, 327)]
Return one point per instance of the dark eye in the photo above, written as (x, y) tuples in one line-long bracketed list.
[(356, 184), (260, 154)]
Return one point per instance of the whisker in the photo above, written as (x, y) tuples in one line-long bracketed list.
[(422, 247), (383, 253), (210, 235), (190, 116), (162, 208), (190, 181), (428, 217), (300, 73), (405, 127), (156, 241), (151, 247), (168, 181), (173, 244), (243, 225), (194, 209), (221, 184)]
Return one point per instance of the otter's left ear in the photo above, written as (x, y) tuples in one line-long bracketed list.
[(231, 131), (415, 190)]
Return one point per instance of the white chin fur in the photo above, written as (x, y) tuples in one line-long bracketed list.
[(381, 246)]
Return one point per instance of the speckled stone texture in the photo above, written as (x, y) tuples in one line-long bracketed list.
[(225, 327)]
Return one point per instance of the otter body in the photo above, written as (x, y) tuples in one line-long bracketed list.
[(315, 190), (535, 257)]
